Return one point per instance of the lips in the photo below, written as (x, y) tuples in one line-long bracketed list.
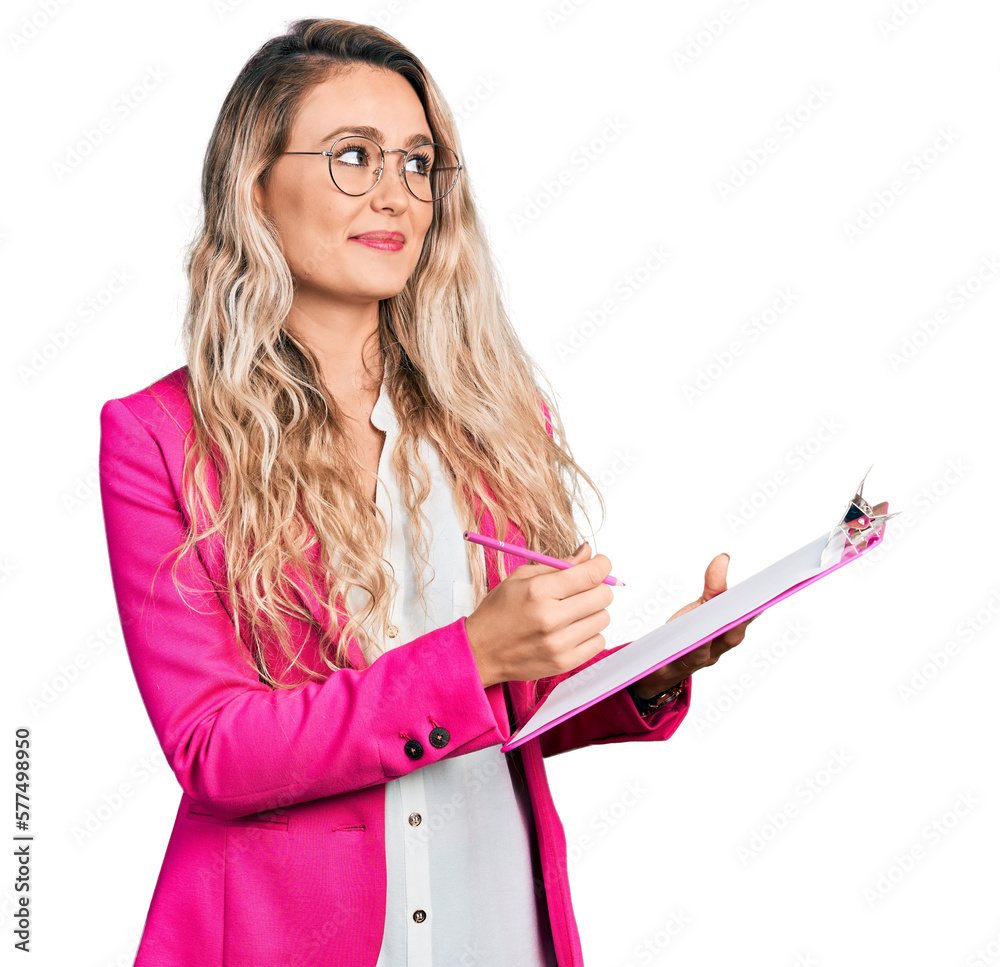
[(382, 236)]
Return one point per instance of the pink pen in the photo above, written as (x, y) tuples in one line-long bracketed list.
[(529, 555)]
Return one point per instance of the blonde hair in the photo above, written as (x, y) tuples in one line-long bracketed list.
[(453, 366)]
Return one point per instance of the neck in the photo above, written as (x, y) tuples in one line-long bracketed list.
[(346, 342)]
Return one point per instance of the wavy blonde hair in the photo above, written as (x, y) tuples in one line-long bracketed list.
[(454, 369)]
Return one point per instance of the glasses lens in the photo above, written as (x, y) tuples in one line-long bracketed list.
[(431, 171), (354, 164)]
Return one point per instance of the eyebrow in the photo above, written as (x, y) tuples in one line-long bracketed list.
[(367, 131)]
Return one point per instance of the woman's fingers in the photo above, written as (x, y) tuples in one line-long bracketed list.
[(732, 637), (586, 633), (583, 575), (579, 606)]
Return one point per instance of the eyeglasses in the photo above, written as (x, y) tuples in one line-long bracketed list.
[(429, 170)]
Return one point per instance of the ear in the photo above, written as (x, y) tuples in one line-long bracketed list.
[(258, 197)]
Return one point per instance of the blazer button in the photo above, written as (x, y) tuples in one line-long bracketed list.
[(439, 737), (419, 915), (413, 749)]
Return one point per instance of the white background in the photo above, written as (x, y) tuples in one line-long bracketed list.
[(687, 867)]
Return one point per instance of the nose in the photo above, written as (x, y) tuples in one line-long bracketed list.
[(391, 177)]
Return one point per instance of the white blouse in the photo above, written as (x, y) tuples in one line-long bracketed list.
[(460, 836)]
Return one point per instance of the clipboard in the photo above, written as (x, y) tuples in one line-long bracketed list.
[(859, 530)]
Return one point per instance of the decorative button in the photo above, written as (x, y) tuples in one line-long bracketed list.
[(414, 819), (413, 749), (393, 631), (439, 737), (419, 916)]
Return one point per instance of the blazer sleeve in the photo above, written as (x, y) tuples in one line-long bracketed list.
[(235, 744), (615, 717), (612, 719)]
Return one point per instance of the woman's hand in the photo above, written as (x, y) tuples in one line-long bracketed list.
[(542, 620), (706, 654)]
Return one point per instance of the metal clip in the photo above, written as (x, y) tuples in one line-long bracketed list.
[(859, 528)]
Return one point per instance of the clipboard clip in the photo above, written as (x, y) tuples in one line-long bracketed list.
[(859, 528)]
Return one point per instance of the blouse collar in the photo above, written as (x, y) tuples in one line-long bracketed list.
[(383, 414)]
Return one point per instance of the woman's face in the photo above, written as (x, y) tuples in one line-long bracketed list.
[(318, 222)]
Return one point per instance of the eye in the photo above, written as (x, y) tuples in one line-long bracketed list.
[(419, 163), (353, 155)]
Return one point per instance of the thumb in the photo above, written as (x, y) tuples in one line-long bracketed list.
[(715, 576), (582, 553)]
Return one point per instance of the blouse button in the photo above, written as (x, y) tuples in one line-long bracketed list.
[(393, 631), (413, 749), (419, 915), (439, 737), (414, 819)]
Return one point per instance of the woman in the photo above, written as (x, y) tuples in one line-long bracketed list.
[(354, 399)]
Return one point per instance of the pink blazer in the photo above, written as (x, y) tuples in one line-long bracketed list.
[(277, 853)]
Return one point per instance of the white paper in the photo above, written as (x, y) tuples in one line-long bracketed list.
[(676, 637)]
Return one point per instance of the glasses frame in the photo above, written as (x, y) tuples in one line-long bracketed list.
[(383, 152)]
